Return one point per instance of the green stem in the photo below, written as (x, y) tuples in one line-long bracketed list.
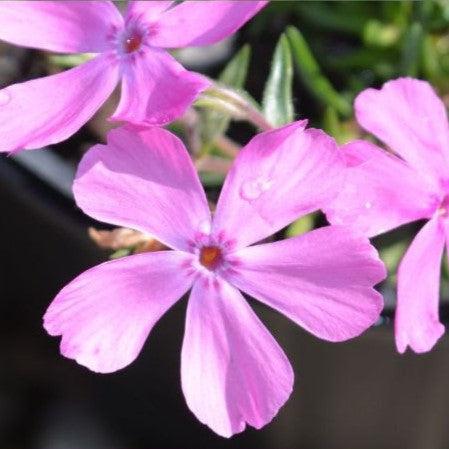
[(246, 107)]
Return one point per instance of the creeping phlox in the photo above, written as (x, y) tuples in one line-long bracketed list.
[(410, 182), (155, 88), (233, 372)]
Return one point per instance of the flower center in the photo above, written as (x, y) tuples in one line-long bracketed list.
[(210, 257), (132, 43)]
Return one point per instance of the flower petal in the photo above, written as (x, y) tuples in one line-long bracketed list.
[(49, 110), (407, 115), (381, 192), (233, 371), (146, 10), (106, 313), (322, 280), (416, 323), (195, 23), (156, 89), (279, 176), (59, 26), (145, 180)]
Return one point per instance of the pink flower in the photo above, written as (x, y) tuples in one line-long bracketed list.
[(156, 89), (233, 371), (386, 190)]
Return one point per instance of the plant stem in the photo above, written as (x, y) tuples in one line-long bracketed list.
[(228, 146), (247, 107)]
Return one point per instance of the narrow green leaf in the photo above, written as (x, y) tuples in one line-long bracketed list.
[(378, 34), (363, 59), (301, 226), (392, 255), (120, 253), (322, 15), (341, 131), (312, 75), (69, 61), (235, 73), (215, 123), (277, 103), (411, 50), (431, 61), (211, 180)]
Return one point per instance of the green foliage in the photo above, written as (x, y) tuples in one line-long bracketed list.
[(312, 75), (301, 226), (412, 49), (69, 61), (392, 255), (377, 34), (211, 180), (277, 102), (235, 73), (216, 117), (120, 253), (348, 21)]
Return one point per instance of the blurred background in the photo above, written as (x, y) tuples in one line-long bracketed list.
[(356, 395)]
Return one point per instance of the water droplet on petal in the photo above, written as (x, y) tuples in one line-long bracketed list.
[(252, 189), (5, 97), (368, 205)]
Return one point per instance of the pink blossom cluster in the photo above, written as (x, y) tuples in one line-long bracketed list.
[(233, 372)]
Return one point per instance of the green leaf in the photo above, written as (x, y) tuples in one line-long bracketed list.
[(312, 75), (341, 131), (322, 15), (431, 63), (69, 61), (378, 61), (277, 103), (377, 34), (392, 255), (215, 123), (235, 73), (211, 180), (333, 126), (301, 226), (120, 253), (411, 50)]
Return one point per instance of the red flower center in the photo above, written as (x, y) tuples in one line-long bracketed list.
[(132, 44), (210, 257)]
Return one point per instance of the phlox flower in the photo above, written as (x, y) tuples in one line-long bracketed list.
[(155, 88), (385, 190), (233, 372)]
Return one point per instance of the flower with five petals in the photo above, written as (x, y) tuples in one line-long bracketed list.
[(155, 88), (233, 372)]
